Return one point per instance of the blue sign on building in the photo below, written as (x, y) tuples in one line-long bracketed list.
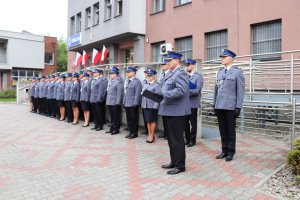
[(74, 40)]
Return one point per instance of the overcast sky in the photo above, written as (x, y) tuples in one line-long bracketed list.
[(40, 17)]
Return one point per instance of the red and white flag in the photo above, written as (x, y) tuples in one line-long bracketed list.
[(103, 54), (78, 59), (84, 57), (96, 56)]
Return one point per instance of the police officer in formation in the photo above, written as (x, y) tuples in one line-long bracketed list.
[(227, 103), (68, 97), (175, 106), (97, 98), (60, 91), (195, 87), (132, 101), (33, 107), (115, 92), (75, 97), (85, 92)]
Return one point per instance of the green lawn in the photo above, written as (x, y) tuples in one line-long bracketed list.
[(8, 100)]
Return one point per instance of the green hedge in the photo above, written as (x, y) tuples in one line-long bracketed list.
[(8, 94), (293, 157)]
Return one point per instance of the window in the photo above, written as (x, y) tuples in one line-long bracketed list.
[(78, 22), (49, 58), (119, 7), (266, 38), (88, 17), (181, 2), (158, 5), (96, 14), (156, 56), (72, 25), (107, 9), (214, 43), (185, 47)]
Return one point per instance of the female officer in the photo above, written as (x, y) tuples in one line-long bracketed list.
[(75, 97), (60, 96), (85, 98)]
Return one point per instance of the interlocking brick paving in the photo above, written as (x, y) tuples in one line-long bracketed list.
[(43, 158)]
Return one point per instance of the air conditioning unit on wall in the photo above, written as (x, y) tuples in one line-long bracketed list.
[(164, 48)]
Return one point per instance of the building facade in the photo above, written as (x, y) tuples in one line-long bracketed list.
[(24, 55), (120, 25), (200, 29)]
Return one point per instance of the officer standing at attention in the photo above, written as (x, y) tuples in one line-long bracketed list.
[(165, 71), (50, 96), (85, 92), (131, 101), (115, 91), (31, 94), (42, 99), (195, 87), (97, 98), (75, 97), (36, 95), (60, 96), (228, 100), (175, 106), (68, 97)]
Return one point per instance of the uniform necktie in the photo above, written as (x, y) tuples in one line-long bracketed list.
[(225, 71)]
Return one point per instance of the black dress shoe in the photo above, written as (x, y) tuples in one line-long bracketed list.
[(175, 171), (132, 136), (115, 132), (168, 166), (191, 144), (108, 131), (85, 125), (222, 155), (229, 158), (127, 136), (126, 129), (99, 129), (94, 128), (74, 123), (187, 142), (161, 136)]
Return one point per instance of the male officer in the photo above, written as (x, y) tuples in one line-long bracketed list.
[(97, 98), (42, 95), (195, 87), (50, 96), (37, 94), (228, 100), (31, 93), (175, 106), (56, 107), (68, 96), (163, 75), (115, 91), (131, 101)]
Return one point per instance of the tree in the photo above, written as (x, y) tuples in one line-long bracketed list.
[(62, 55)]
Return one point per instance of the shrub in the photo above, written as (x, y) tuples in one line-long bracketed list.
[(293, 157), (8, 94)]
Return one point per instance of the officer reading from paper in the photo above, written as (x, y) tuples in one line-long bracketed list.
[(175, 106), (228, 100)]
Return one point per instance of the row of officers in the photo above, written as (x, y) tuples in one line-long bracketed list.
[(89, 94)]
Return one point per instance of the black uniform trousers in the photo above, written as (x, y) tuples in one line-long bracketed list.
[(99, 114), (41, 106), (56, 112), (132, 117), (34, 108), (191, 126), (175, 125), (47, 106), (227, 122), (69, 111), (165, 125), (115, 117)]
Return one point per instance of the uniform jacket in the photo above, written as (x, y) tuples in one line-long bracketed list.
[(37, 90), (85, 91), (32, 89), (67, 95), (51, 87), (132, 94), (229, 89), (98, 90), (148, 103), (60, 91), (75, 91), (41, 90), (195, 80), (175, 90), (55, 89), (115, 91)]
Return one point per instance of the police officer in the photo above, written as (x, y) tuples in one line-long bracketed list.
[(163, 75), (42, 95), (51, 97), (115, 92), (67, 97), (85, 92), (228, 100), (31, 94), (97, 98), (175, 106), (144, 82), (60, 96), (195, 87), (56, 107), (75, 97), (36, 95)]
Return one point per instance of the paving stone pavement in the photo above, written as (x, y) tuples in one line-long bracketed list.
[(43, 158)]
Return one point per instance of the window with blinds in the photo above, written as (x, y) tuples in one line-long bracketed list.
[(158, 6), (184, 46), (156, 56), (214, 43), (266, 38)]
